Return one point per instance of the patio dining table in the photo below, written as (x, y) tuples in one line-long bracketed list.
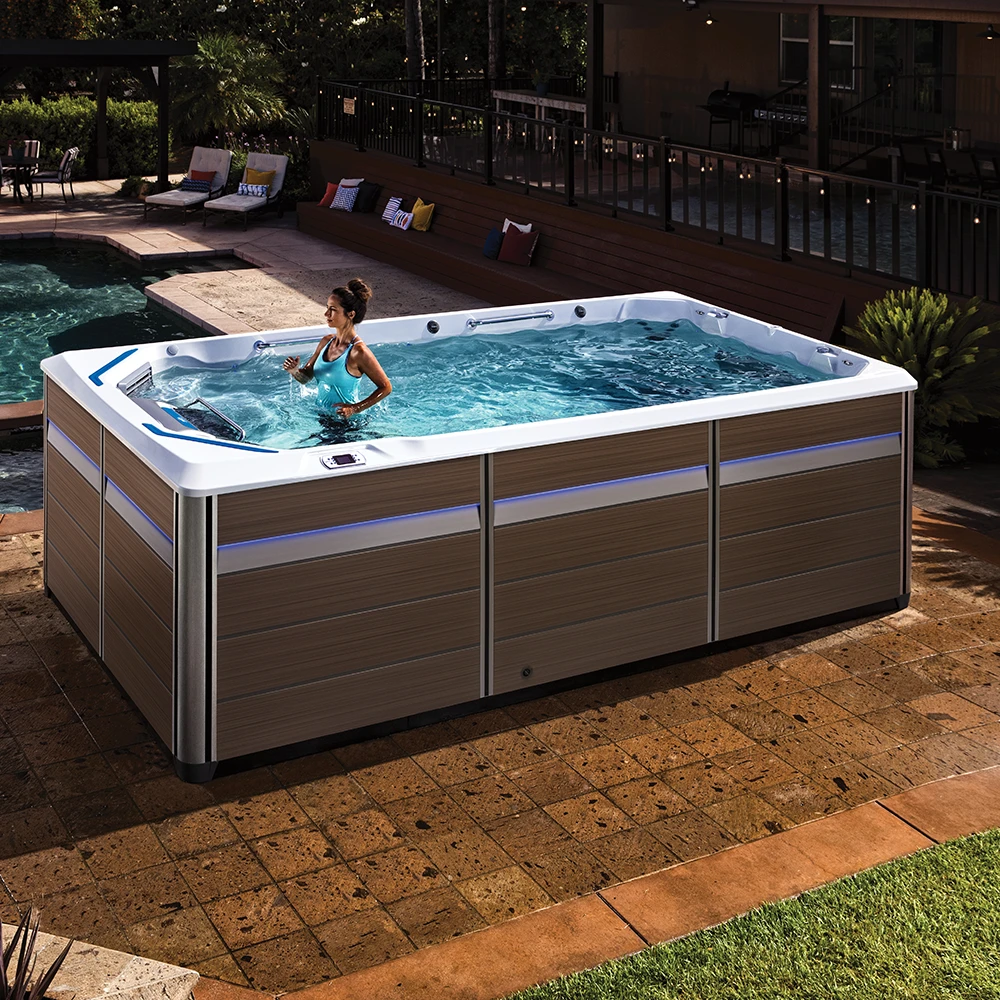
[(23, 169)]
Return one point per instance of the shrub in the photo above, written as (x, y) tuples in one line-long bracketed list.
[(17, 984), (72, 121), (958, 380), (296, 148), (135, 186)]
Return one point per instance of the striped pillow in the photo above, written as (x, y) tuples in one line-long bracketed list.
[(402, 220), (391, 208), (193, 184), (254, 190)]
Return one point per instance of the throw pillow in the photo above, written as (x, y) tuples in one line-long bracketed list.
[(524, 227), (518, 247), (191, 184), (402, 220), (202, 175), (391, 208), (253, 190), (422, 215), (368, 193), (345, 198), (491, 248), (327, 200), (264, 177), (350, 182)]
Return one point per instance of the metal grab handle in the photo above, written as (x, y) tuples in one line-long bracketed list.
[(473, 323), (221, 416)]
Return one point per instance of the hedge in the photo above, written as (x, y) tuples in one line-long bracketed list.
[(72, 121)]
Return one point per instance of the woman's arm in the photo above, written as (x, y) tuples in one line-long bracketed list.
[(367, 364), (303, 373)]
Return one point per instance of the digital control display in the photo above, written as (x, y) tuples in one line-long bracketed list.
[(336, 461)]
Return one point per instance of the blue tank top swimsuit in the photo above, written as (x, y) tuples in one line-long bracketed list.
[(336, 384)]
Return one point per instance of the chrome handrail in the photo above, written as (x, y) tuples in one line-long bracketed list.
[(473, 323), (221, 416)]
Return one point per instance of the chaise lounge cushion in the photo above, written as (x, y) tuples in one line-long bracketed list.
[(206, 164), (177, 198), (236, 203)]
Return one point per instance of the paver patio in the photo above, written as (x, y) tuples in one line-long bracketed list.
[(287, 875), (291, 874)]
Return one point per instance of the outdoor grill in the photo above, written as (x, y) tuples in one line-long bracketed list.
[(731, 107)]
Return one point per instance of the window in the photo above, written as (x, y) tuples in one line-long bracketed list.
[(795, 50)]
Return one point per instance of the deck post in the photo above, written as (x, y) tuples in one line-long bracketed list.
[(923, 255), (418, 128), (359, 110), (666, 185), (570, 181), (488, 146), (781, 211)]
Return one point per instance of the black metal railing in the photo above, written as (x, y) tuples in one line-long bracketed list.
[(901, 231)]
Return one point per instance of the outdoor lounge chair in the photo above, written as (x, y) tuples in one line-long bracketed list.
[(202, 158), (244, 204), (63, 175)]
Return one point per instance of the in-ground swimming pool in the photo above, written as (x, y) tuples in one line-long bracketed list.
[(70, 296), (250, 597)]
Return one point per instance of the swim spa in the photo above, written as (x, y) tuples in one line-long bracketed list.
[(251, 597)]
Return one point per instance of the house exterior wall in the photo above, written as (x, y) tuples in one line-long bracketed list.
[(669, 60), (978, 98)]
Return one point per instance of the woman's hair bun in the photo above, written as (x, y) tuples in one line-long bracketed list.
[(360, 289)]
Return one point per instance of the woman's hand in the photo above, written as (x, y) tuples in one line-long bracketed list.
[(347, 409), (290, 363)]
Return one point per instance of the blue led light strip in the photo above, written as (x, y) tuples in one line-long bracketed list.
[(803, 451), (95, 377), (159, 432), (132, 504), (569, 490), (321, 532)]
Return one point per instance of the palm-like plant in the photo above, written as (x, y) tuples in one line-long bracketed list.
[(958, 380), (20, 985), (229, 83)]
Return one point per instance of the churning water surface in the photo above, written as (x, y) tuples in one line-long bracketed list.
[(490, 380)]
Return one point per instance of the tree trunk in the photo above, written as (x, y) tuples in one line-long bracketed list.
[(414, 40), (496, 66)]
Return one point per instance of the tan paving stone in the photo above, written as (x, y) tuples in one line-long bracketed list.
[(33, 876), (496, 795), (589, 816), (435, 916), (952, 712), (512, 748), (810, 708), (253, 916), (856, 695), (362, 940), (691, 835), (672, 706), (403, 871), (122, 851), (951, 671), (549, 782), (503, 894), (395, 779), (756, 767), (905, 768), (985, 657), (569, 871), (646, 800), (606, 765), (465, 854), (902, 646), (568, 734), (223, 872), (953, 808), (292, 962), (941, 636), (812, 669), (365, 832), (315, 895), (801, 799), (294, 852), (146, 894), (194, 832), (452, 765), (855, 782)]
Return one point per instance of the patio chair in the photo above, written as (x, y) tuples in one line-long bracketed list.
[(961, 171), (63, 175), (243, 204), (203, 160), (32, 148), (914, 162)]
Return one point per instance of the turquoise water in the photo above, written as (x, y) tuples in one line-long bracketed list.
[(72, 296), (490, 380)]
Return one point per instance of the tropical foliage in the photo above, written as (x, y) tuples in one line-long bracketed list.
[(228, 83), (940, 345), (17, 980)]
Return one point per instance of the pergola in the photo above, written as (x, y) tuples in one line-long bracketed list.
[(150, 59)]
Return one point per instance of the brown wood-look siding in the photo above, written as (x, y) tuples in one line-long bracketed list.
[(141, 683), (277, 658), (73, 420), (545, 602), (76, 547), (784, 430), (595, 460), (140, 484), (338, 704), (808, 595), (137, 623), (365, 496), (76, 495), (151, 578), (80, 604), (771, 503), (284, 595), (604, 642), (571, 540), (798, 548)]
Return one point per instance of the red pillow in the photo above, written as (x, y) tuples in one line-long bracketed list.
[(327, 200), (201, 175), (517, 247)]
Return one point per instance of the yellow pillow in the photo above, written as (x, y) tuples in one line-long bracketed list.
[(260, 177), (422, 216)]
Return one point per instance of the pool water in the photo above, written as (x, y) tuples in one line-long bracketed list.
[(490, 380), (77, 295)]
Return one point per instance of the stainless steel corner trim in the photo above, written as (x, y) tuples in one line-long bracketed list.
[(575, 499), (906, 566), (486, 577), (276, 550), (714, 546), (73, 454), (194, 614), (786, 463), (139, 522)]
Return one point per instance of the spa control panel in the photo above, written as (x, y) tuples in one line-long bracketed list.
[(341, 461)]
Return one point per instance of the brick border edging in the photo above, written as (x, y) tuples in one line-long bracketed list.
[(612, 923)]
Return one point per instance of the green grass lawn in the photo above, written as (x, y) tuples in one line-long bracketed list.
[(926, 926)]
